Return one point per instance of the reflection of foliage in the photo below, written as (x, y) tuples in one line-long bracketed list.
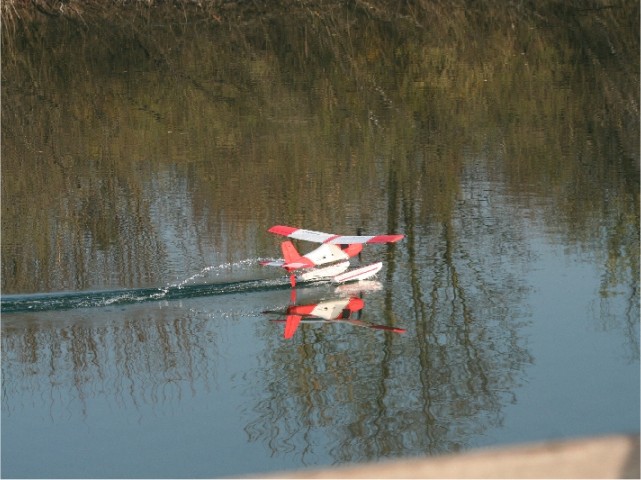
[(141, 361), (619, 254), (231, 99), (125, 108)]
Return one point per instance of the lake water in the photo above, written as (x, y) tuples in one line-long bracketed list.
[(139, 178)]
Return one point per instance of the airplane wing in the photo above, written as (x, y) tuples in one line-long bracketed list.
[(293, 321), (360, 323), (322, 237)]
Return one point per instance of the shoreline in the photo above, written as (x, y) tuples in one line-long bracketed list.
[(613, 456)]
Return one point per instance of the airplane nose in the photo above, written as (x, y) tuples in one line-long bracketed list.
[(356, 304)]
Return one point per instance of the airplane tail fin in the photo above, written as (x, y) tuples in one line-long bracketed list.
[(289, 252), (293, 260), (291, 325)]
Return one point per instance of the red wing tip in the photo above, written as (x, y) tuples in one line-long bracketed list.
[(387, 238), (282, 230)]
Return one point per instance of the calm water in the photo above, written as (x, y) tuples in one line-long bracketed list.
[(137, 191)]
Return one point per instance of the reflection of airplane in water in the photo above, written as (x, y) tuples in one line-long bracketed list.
[(340, 309)]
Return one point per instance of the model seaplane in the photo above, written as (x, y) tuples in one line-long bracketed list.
[(330, 261), (332, 310)]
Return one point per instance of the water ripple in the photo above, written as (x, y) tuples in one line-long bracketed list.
[(70, 300)]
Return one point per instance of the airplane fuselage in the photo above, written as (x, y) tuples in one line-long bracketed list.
[(328, 253), (336, 309)]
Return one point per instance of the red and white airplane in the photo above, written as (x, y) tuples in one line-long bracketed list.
[(334, 252), (337, 310)]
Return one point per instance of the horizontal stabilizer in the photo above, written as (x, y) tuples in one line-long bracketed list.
[(290, 265), (295, 265), (273, 263)]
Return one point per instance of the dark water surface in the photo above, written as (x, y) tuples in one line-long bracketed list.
[(139, 177)]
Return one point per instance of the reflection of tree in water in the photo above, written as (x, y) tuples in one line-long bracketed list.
[(466, 287), (147, 360), (446, 380)]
